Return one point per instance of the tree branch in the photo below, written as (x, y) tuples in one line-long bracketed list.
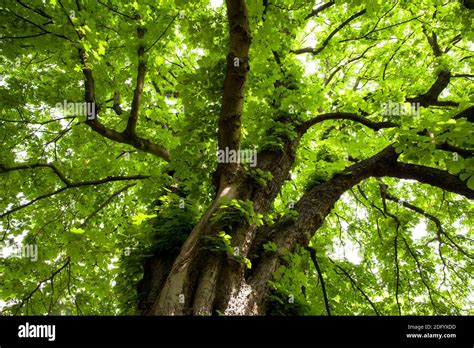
[(234, 84), (312, 253), (137, 94), (40, 27), (354, 284), (351, 60), (162, 34), (39, 12), (326, 41), (114, 10), (433, 41), (316, 11), (345, 116), (4, 169), (467, 113), (317, 203), (420, 272), (121, 137), (105, 203), (452, 148), (440, 231), (432, 95), (50, 278), (134, 140), (442, 81), (75, 185)]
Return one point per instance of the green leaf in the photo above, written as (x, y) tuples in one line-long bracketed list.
[(77, 230)]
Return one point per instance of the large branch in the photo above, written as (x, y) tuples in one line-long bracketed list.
[(467, 113), (350, 60), (445, 146), (442, 81), (317, 203), (137, 142), (431, 96), (433, 41), (234, 83), (127, 136), (328, 39)]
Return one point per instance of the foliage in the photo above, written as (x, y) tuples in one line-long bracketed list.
[(221, 243), (237, 212)]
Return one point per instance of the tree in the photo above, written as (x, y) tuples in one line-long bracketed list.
[(193, 157)]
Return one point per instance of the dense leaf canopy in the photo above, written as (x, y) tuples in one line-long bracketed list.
[(98, 193)]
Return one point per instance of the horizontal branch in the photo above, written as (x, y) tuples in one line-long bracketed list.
[(433, 41), (163, 33), (345, 116), (467, 113), (431, 176), (137, 142), (37, 11), (350, 60), (445, 146), (4, 169), (73, 185), (452, 148)]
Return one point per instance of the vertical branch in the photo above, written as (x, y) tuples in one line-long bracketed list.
[(312, 253), (137, 94), (234, 84)]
